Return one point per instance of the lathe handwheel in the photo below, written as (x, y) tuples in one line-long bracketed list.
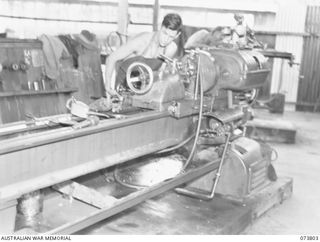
[(139, 77)]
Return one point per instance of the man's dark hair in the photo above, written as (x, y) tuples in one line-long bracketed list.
[(172, 21)]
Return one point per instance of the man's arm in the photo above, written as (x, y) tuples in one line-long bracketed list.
[(196, 38), (123, 52), (171, 50)]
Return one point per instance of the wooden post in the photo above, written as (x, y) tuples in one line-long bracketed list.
[(156, 9), (123, 19)]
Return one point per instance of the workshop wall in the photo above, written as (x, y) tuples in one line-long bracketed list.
[(31, 18), (289, 25), (309, 84), (279, 23), (277, 20)]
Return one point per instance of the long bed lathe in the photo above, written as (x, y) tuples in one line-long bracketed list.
[(168, 115)]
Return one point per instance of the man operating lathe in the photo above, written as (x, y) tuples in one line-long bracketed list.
[(146, 45)]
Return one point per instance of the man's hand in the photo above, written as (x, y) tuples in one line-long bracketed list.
[(114, 99), (110, 93)]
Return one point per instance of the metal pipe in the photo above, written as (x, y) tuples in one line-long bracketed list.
[(218, 174), (199, 119), (197, 80)]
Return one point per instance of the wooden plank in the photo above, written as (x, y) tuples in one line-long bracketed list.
[(32, 93), (273, 194), (85, 194), (271, 130), (20, 43), (272, 124)]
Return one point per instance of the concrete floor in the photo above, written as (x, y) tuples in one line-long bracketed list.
[(301, 213)]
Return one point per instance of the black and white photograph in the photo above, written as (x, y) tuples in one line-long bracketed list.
[(159, 117)]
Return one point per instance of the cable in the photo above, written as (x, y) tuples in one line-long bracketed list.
[(176, 146), (117, 179)]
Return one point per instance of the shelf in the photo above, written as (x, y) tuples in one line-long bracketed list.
[(41, 92)]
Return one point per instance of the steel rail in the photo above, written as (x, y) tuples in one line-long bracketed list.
[(52, 136)]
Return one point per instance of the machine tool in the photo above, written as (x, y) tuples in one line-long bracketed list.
[(197, 107)]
